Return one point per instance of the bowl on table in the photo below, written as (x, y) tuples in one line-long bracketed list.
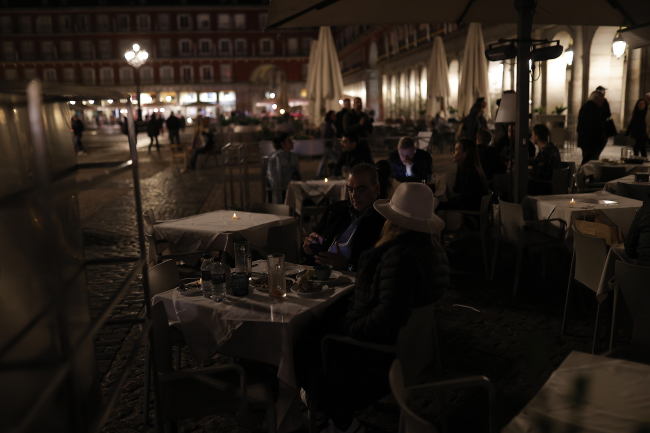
[(322, 272)]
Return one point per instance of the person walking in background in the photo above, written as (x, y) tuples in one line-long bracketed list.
[(637, 129), (328, 132), (161, 123), (283, 168), (173, 125), (592, 137), (471, 184), (475, 120), (637, 241), (353, 153), (356, 121), (410, 164), (153, 129), (606, 112), (340, 116), (78, 129)]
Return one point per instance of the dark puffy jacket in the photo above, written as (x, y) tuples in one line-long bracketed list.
[(407, 272), (591, 127), (336, 219), (173, 123), (153, 127), (637, 241)]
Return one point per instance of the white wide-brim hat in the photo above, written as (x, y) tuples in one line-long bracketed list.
[(412, 207)]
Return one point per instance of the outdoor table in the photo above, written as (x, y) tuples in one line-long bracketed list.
[(614, 394), (619, 210), (251, 327), (611, 185), (589, 168), (217, 231), (316, 190)]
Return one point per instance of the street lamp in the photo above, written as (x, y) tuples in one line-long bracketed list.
[(137, 58), (618, 46)]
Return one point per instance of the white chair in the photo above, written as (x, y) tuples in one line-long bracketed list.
[(410, 422), (203, 391), (417, 348), (424, 140), (632, 285), (162, 277), (514, 230), (587, 264)]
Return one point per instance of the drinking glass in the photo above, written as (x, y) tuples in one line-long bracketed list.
[(239, 283), (277, 279), (243, 257)]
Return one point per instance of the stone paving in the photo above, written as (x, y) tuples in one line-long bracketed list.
[(515, 343)]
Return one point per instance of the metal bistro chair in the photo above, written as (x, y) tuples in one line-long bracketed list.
[(587, 264), (632, 286), (486, 222), (572, 170), (606, 173), (581, 186), (280, 239), (425, 140), (303, 211), (416, 348), (514, 230), (202, 391), (162, 277), (410, 422)]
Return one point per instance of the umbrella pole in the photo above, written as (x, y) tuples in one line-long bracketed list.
[(525, 9)]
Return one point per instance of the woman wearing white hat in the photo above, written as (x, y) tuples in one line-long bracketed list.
[(407, 269)]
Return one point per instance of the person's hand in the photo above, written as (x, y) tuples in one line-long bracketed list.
[(362, 121), (311, 239), (337, 260)]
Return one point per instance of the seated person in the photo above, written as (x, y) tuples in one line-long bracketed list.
[(203, 141), (353, 153), (489, 156), (283, 168), (410, 164), (471, 183), (347, 228), (406, 269), (637, 241), (547, 159), (503, 145)]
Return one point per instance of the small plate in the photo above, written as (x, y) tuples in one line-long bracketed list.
[(312, 294), (333, 276)]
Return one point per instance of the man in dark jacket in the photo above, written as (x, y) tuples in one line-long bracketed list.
[(353, 153), (592, 137), (153, 129), (637, 241), (489, 156), (340, 116), (409, 164), (77, 129), (544, 164), (173, 125), (348, 227), (356, 121)]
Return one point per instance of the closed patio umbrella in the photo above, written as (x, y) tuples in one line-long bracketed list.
[(310, 13), (473, 72), (438, 77), (324, 79), (283, 98)]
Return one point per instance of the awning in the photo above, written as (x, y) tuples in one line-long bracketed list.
[(637, 37)]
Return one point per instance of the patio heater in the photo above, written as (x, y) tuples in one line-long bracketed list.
[(136, 58)]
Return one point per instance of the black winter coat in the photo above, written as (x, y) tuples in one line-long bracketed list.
[(359, 154), (173, 123), (637, 127), (407, 272), (153, 128), (422, 166), (336, 219), (637, 241), (591, 127)]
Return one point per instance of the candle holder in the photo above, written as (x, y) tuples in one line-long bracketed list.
[(573, 201), (234, 216), (326, 180)]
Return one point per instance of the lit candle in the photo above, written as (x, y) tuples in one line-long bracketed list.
[(573, 201), (234, 216), (325, 180)]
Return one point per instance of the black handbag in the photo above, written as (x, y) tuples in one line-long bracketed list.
[(610, 128)]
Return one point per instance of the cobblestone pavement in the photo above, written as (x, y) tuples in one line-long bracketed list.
[(515, 343)]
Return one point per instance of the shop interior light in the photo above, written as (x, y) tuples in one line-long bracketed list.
[(281, 110), (110, 101), (274, 106), (91, 101), (272, 95), (168, 98), (72, 102)]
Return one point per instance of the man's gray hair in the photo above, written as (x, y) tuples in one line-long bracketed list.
[(595, 94), (363, 168), (406, 143)]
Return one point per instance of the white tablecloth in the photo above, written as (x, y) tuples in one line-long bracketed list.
[(616, 398), (611, 186), (317, 190), (589, 168), (251, 327), (543, 207), (213, 231)]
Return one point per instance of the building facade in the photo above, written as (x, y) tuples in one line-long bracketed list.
[(387, 67), (213, 53)]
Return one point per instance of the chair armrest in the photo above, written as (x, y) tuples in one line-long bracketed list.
[(351, 341)]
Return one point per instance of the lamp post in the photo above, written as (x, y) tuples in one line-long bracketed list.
[(568, 58), (137, 58)]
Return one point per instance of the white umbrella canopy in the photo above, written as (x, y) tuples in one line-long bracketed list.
[(438, 77), (473, 72), (324, 79), (283, 97)]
